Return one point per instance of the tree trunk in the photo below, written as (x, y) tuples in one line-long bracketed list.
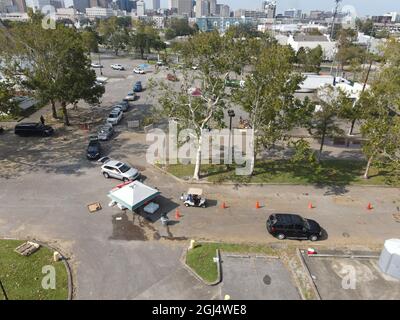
[(352, 127), (322, 146), (53, 109), (366, 174), (141, 53), (196, 174), (65, 113), (253, 159)]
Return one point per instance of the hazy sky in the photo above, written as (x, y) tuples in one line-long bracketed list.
[(363, 7)]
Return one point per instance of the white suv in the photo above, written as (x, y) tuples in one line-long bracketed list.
[(117, 66), (115, 116), (118, 170)]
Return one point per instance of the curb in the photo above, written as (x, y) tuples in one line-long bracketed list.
[(311, 280), (64, 260), (194, 273), (264, 183)]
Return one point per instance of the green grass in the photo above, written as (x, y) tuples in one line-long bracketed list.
[(200, 259), (331, 172), (22, 276)]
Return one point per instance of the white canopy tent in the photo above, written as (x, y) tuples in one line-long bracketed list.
[(389, 261), (133, 195)]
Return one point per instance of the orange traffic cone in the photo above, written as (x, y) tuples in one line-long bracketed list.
[(258, 205), (177, 214), (370, 207), (310, 205), (223, 205)]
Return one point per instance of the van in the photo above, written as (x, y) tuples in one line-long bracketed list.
[(33, 129)]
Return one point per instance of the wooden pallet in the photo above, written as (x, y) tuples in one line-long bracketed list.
[(27, 248), (93, 207)]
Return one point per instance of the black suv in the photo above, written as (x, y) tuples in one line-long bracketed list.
[(33, 129), (93, 150), (293, 226)]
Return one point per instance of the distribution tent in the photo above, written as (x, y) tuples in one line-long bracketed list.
[(389, 261), (133, 195)]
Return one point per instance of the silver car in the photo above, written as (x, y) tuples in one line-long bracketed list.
[(118, 170), (105, 132), (122, 107)]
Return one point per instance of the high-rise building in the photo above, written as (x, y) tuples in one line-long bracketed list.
[(20, 5), (140, 8), (125, 5), (37, 4), (201, 8), (269, 7), (185, 7), (172, 4), (81, 5), (152, 4), (225, 11), (212, 7)]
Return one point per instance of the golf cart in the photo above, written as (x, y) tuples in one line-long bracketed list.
[(193, 198)]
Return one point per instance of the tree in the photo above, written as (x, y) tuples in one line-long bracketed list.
[(212, 53), (7, 105), (181, 27), (310, 59), (367, 27), (52, 64), (113, 33), (324, 122), (381, 111), (144, 38), (349, 53), (91, 40), (268, 93)]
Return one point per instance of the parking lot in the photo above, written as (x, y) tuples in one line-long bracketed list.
[(250, 277), (339, 278)]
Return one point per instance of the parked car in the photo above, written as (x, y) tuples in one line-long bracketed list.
[(160, 63), (138, 70), (96, 65), (118, 170), (93, 150), (105, 132), (138, 87), (293, 226), (33, 129), (131, 96), (171, 77), (115, 116), (122, 107), (117, 66)]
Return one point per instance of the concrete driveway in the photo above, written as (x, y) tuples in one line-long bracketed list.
[(338, 278), (256, 278)]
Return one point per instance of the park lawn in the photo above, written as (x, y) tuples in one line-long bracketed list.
[(200, 259), (331, 172), (22, 276)]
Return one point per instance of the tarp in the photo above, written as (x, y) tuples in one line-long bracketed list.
[(133, 195)]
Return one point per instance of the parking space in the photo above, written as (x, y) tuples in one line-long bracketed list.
[(340, 278), (253, 277)]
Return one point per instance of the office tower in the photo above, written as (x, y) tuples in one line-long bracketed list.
[(140, 8), (201, 8), (212, 7), (269, 7), (37, 4), (172, 4), (57, 4), (185, 7), (125, 5), (225, 11), (81, 5), (21, 5), (152, 4)]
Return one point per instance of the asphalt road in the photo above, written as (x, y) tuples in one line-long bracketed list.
[(46, 184)]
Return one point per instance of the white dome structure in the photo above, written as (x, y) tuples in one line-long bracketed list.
[(389, 261)]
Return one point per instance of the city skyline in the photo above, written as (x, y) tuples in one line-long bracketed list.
[(363, 7)]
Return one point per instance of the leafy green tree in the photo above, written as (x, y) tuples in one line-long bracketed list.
[(310, 59), (324, 122), (303, 154), (268, 94), (7, 105), (367, 27), (91, 40), (52, 64), (349, 53), (114, 34), (212, 53), (181, 27), (144, 38)]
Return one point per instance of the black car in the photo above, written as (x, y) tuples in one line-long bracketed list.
[(293, 226), (33, 129), (93, 151)]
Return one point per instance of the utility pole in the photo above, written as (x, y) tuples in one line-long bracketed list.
[(337, 4)]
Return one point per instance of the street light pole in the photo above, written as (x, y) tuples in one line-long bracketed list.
[(231, 114)]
